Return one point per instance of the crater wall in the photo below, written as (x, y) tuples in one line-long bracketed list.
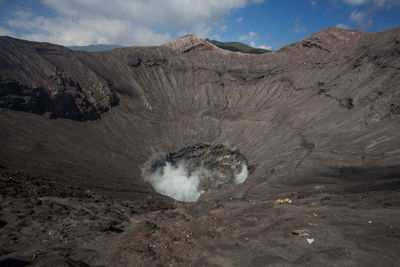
[(329, 101)]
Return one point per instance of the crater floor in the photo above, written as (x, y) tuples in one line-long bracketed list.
[(193, 170)]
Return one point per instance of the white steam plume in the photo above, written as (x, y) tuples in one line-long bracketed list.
[(242, 176), (181, 184), (177, 182)]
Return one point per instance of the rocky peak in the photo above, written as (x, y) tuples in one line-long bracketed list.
[(327, 39), (188, 43), (335, 34)]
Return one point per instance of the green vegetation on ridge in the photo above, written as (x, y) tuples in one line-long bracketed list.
[(94, 48), (238, 47)]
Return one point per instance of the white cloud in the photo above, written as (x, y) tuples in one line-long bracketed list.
[(379, 3), (68, 31), (356, 2), (361, 18), (298, 26), (23, 14), (342, 26), (248, 37), (223, 28), (126, 22), (240, 19), (174, 12), (364, 18), (4, 31), (216, 37), (253, 44), (313, 3), (268, 47), (357, 16), (201, 30)]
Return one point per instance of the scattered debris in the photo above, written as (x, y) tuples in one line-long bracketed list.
[(283, 201), (318, 187), (301, 233), (135, 220)]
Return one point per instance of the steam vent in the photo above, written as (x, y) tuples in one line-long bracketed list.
[(193, 170), (186, 154)]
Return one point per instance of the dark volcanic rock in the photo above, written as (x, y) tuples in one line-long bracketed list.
[(48, 79), (223, 164), (318, 119)]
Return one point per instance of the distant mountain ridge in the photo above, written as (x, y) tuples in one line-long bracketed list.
[(239, 47), (94, 48), (230, 46)]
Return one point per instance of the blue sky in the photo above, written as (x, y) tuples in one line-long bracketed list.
[(269, 23)]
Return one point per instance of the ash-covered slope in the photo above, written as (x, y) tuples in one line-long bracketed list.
[(49, 79), (318, 120), (331, 100)]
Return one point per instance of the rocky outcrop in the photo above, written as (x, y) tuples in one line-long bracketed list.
[(48, 79), (189, 43)]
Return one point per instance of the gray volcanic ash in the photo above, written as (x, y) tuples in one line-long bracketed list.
[(316, 122)]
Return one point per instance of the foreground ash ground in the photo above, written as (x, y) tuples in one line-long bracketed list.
[(314, 126)]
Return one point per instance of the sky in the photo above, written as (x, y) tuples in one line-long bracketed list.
[(269, 24)]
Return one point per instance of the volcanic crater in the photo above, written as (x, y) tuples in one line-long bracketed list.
[(315, 122)]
